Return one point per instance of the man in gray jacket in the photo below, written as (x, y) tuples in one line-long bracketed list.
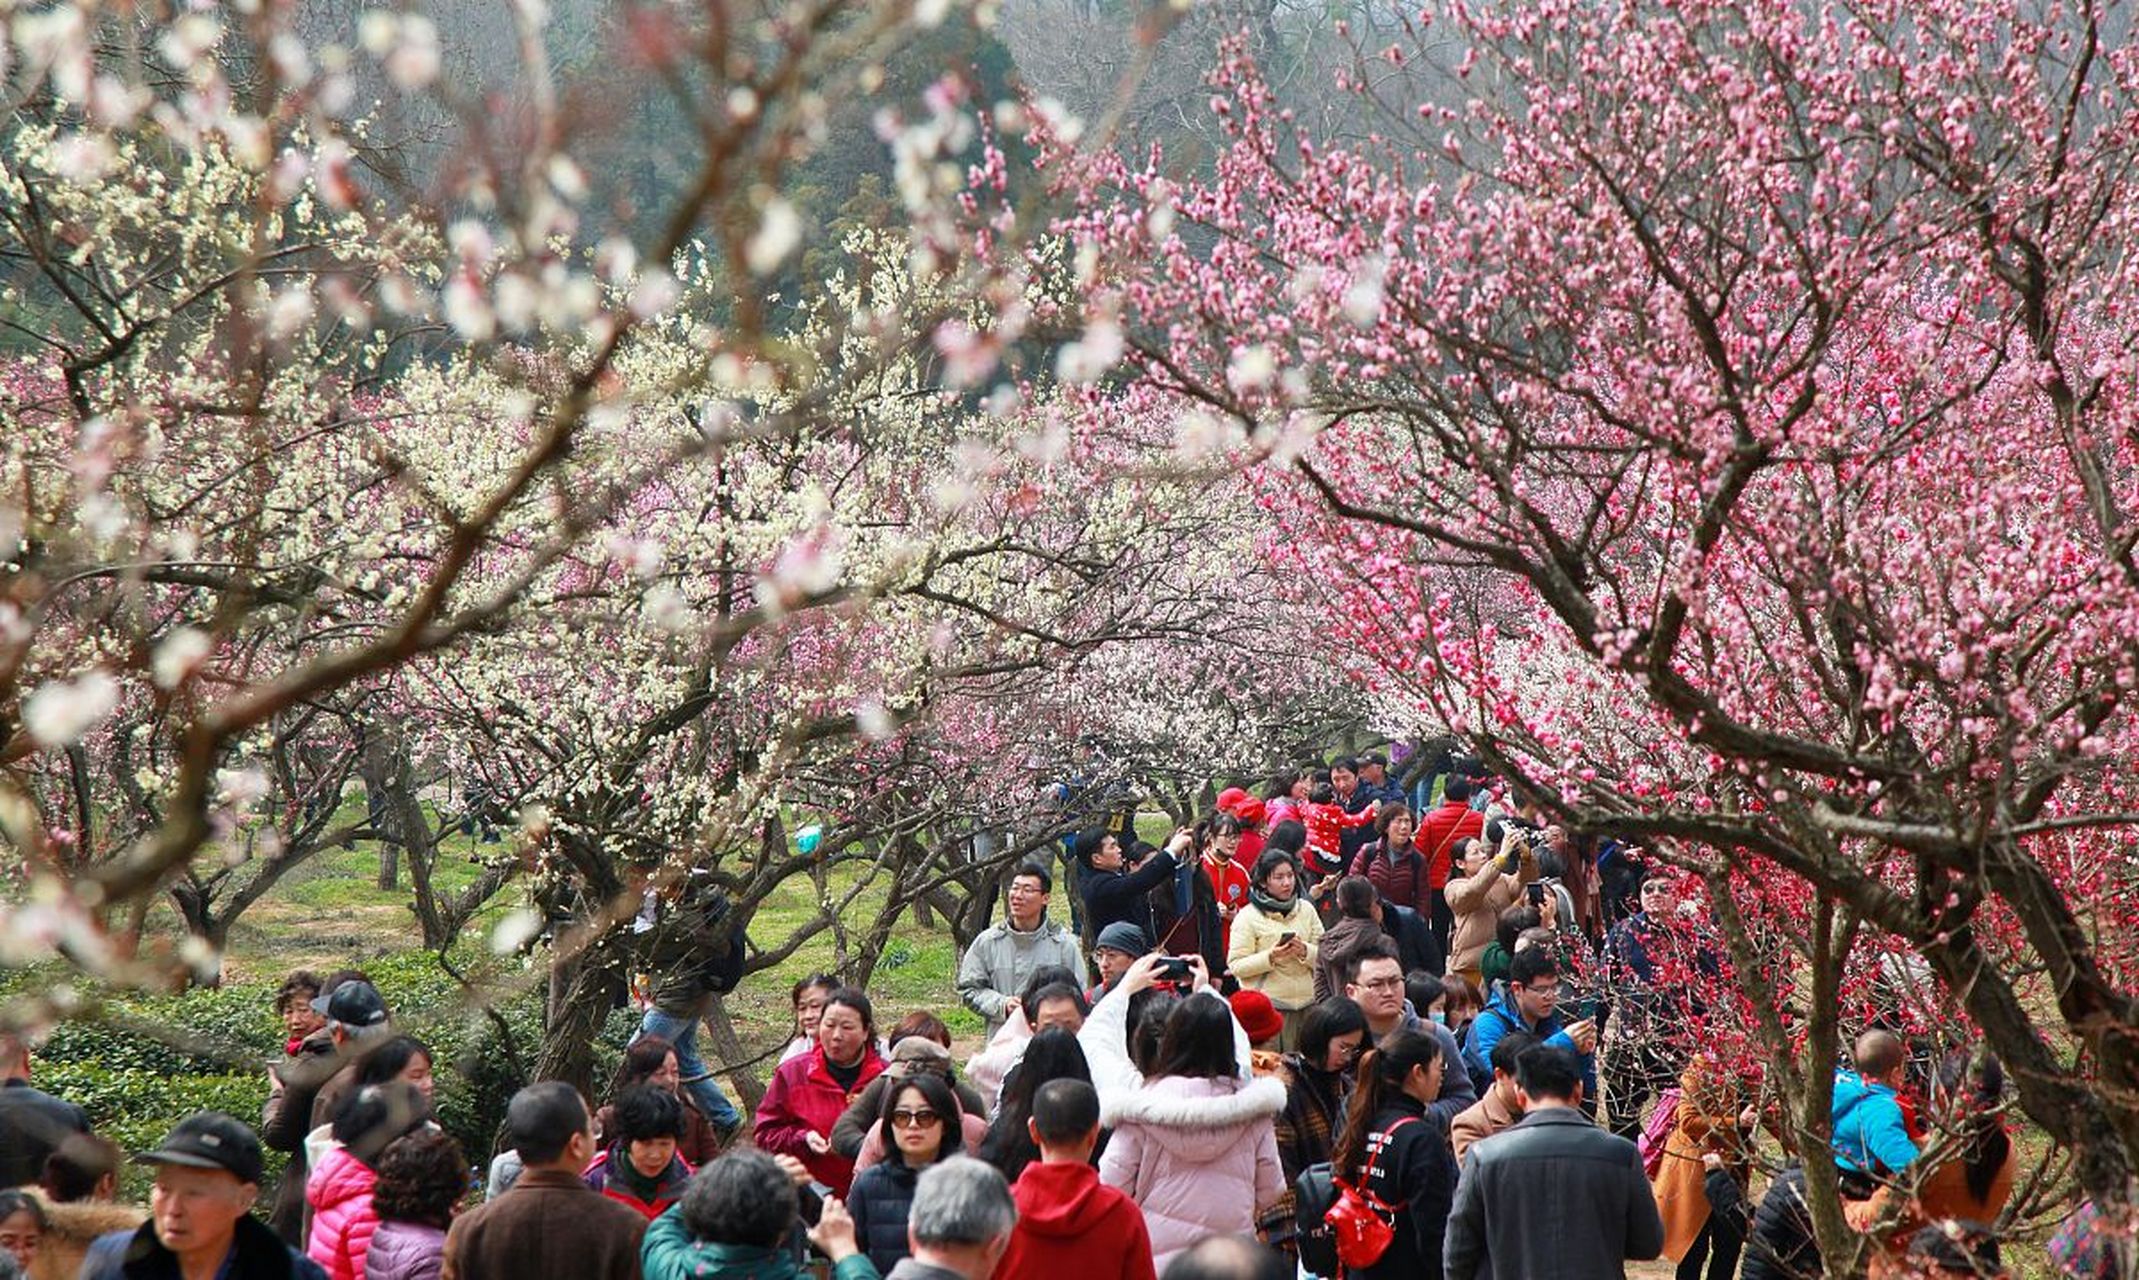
[(1554, 1196), (1001, 960)]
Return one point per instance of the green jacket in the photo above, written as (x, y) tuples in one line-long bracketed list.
[(669, 1253)]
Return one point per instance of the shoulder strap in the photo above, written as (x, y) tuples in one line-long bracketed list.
[(1368, 1171)]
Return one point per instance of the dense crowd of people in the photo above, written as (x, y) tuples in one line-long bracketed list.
[(1323, 1031)]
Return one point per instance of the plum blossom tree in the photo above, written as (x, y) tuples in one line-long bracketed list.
[(1733, 402), (281, 426)]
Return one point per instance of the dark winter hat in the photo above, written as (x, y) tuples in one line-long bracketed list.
[(1123, 937), (210, 1140), (353, 1004)]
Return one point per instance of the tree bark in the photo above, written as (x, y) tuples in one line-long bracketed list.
[(583, 989)]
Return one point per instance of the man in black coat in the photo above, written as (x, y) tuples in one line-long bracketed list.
[(32, 1122), (1554, 1195), (1112, 892)]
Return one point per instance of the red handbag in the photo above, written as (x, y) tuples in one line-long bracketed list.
[(1362, 1223)]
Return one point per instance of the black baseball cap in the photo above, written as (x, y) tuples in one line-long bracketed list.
[(353, 1004), (210, 1140)]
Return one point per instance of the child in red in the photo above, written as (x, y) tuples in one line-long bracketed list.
[(1326, 823), (1069, 1224)]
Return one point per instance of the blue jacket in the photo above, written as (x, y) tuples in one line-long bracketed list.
[(1869, 1133), (1500, 1017)]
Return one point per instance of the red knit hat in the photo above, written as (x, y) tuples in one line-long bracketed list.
[(1258, 1017)]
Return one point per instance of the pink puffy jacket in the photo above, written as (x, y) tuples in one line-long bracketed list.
[(1200, 1157), (343, 1220)]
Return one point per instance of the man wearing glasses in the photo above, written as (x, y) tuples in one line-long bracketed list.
[(1001, 960), (1530, 1003), (1377, 987)]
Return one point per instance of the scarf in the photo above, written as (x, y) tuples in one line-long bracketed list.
[(1271, 907)]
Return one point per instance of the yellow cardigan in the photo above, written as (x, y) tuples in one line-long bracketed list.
[(1290, 983)]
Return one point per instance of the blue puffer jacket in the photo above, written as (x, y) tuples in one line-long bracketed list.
[(881, 1202), (1870, 1135), (1499, 1018)]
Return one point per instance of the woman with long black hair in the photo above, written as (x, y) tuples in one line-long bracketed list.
[(1053, 1054), (1392, 1149)]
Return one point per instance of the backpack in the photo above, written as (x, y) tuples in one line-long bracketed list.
[(1314, 1194), (1363, 1224), (1656, 1134)]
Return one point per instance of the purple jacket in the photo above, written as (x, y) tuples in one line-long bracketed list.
[(1200, 1157), (405, 1251)]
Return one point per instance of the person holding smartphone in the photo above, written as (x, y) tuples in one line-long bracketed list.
[(1483, 886), (1276, 938)]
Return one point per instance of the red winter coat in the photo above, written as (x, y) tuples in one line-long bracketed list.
[(343, 1220), (1440, 832), (1070, 1225), (802, 1098)]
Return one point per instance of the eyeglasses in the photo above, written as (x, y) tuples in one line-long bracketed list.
[(1545, 993), (914, 1119), (1382, 984)]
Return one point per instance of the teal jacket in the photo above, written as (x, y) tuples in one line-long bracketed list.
[(669, 1253)]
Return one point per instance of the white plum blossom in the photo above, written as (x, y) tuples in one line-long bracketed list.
[(179, 655), (779, 233), (59, 712), (1088, 359)]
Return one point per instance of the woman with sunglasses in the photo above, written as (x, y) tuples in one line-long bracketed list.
[(922, 1119)]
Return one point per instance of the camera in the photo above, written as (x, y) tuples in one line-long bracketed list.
[(1172, 969)]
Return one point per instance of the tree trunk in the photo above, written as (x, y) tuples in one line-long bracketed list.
[(583, 989), (724, 1045), (390, 867)]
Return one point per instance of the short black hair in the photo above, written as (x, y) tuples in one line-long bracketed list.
[(1457, 787), (1371, 949), (1346, 763), (742, 1198), (1526, 967), (81, 1161), (1057, 991), (1089, 843), (1509, 1048), (1549, 1071), (1065, 1110), (1050, 975), (1037, 872), (645, 1113), (542, 1119)]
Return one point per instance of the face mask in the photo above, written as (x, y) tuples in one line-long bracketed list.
[(1439, 1015)]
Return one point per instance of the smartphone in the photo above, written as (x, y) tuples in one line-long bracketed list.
[(1172, 968), (1286, 937), (1536, 892)]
